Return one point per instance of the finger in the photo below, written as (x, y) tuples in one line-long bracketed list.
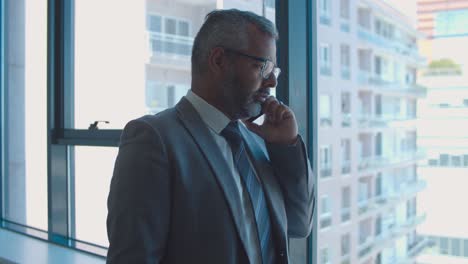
[(280, 112), (255, 128), (270, 106)]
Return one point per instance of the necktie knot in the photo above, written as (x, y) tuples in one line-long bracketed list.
[(232, 134)]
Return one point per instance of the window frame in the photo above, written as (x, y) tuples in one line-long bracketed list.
[(296, 22)]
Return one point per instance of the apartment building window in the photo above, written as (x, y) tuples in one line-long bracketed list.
[(345, 156), (325, 54), (345, 244), (465, 247), (345, 204), (325, 11), (325, 212), (325, 110), (345, 109), (344, 9), (160, 96), (325, 161), (456, 251), (364, 194), (325, 256), (345, 61), (169, 35)]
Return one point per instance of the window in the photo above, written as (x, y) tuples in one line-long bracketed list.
[(92, 182), (345, 156), (325, 256), (160, 96), (325, 212), (325, 110), (173, 40), (344, 9), (345, 109), (455, 246), (23, 127), (101, 66), (325, 54), (345, 204), (325, 161), (325, 11), (465, 247), (345, 61), (345, 244)]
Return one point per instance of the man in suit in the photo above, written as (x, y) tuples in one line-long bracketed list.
[(198, 183)]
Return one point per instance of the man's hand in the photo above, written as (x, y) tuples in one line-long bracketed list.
[(280, 124)]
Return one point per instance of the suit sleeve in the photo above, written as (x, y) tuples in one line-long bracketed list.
[(139, 199), (295, 176)]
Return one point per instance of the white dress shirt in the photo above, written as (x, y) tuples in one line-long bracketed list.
[(216, 121)]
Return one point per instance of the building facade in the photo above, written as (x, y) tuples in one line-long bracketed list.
[(368, 60), (443, 127)]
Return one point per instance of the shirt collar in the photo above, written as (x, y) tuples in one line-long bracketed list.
[(214, 118)]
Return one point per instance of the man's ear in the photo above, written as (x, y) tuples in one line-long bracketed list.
[(217, 60)]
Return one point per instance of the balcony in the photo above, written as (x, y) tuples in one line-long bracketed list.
[(345, 167), (413, 251), (364, 77), (345, 214), (365, 205), (395, 87), (389, 197), (325, 70), (325, 220), (393, 45), (364, 119), (346, 119), (344, 26), (170, 49), (325, 19), (345, 72), (374, 162), (325, 170), (365, 247)]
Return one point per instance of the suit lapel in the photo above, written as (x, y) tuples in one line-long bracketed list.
[(270, 184), (197, 128)]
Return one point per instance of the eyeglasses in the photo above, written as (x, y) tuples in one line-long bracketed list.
[(268, 66)]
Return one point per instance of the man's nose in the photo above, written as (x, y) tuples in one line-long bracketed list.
[(271, 82)]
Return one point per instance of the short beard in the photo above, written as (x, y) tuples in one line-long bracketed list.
[(240, 107)]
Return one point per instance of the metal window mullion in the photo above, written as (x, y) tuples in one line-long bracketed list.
[(294, 22), (312, 108), (2, 104), (59, 80)]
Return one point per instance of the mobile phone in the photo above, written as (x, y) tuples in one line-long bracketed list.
[(253, 118)]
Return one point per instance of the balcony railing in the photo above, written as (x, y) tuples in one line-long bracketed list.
[(365, 247), (170, 45), (345, 72), (395, 45), (344, 26), (366, 163), (325, 19), (325, 220), (364, 205), (346, 119), (325, 70), (345, 214), (346, 167), (325, 170)]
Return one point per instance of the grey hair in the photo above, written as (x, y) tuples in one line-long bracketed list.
[(229, 29)]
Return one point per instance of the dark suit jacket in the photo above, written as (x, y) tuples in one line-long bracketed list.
[(172, 198)]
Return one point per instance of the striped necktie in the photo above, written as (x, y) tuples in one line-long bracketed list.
[(233, 136)]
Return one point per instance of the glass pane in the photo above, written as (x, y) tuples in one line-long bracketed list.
[(126, 68), (370, 61), (92, 182), (25, 124)]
